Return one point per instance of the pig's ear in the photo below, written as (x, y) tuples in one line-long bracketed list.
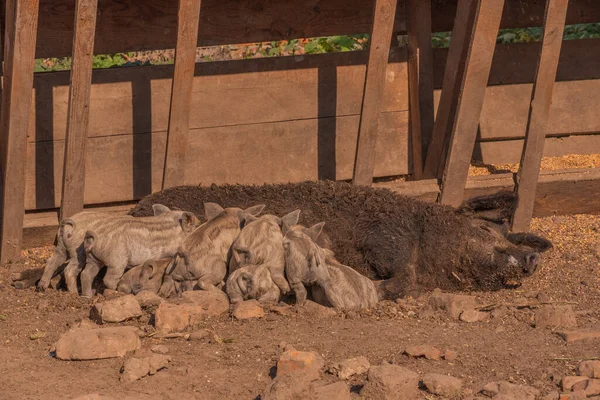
[(89, 241), (211, 210), (314, 231), (249, 218), (255, 210), (148, 270), (290, 219), (160, 209), (236, 256), (188, 221), (537, 243)]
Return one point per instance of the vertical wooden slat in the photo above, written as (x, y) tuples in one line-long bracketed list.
[(188, 18), (379, 49), (470, 101), (420, 80), (20, 36), (541, 98), (464, 23), (78, 108)]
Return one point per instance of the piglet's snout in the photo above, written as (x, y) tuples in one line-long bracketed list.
[(532, 261)]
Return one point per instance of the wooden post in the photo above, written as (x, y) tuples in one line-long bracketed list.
[(79, 108), (379, 50), (420, 80), (469, 101), (541, 98), (188, 19), (21, 19)]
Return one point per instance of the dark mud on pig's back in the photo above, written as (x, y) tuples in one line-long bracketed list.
[(339, 204)]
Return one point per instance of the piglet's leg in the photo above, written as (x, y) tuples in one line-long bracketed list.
[(71, 273), (271, 296), (280, 281), (92, 267), (113, 275), (299, 291), (58, 258)]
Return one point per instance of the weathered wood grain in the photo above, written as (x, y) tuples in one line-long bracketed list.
[(379, 49), (21, 24), (79, 107), (478, 62), (420, 80), (188, 17), (533, 147)]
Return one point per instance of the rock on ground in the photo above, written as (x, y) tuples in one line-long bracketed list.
[(160, 349), (590, 368), (473, 316), (136, 368), (429, 352), (554, 316), (350, 367), (453, 304), (391, 382), (148, 299), (315, 310), (509, 391), (248, 309), (294, 387), (592, 388), (193, 307), (442, 385), (574, 336), (306, 363), (116, 310), (568, 382), (332, 391), (91, 344)]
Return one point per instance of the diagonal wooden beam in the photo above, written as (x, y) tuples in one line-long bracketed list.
[(420, 81), (19, 49), (188, 19), (379, 50), (79, 108), (541, 99), (469, 99)]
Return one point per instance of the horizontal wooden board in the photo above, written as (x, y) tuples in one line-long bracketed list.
[(135, 25), (136, 100), (127, 167), (559, 193), (509, 151)]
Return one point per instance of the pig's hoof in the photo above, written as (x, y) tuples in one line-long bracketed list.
[(41, 287)]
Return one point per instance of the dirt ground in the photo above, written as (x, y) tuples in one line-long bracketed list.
[(506, 347)]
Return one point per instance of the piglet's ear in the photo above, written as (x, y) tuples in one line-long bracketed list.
[(291, 218), (537, 243), (314, 231), (211, 210)]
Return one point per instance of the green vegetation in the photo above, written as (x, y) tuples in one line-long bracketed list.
[(305, 46)]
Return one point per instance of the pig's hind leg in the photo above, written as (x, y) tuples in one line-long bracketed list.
[(92, 268), (113, 276), (58, 258), (214, 274)]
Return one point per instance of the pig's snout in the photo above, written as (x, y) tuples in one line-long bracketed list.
[(532, 262)]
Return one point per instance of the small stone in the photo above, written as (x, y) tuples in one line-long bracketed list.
[(199, 335), (554, 316), (499, 312), (160, 349), (473, 316), (116, 310), (92, 344), (350, 367), (333, 391), (293, 362), (387, 382), (111, 294), (315, 310), (453, 304), (442, 385), (450, 355), (592, 388), (573, 336), (248, 309), (148, 299), (490, 389), (579, 386), (137, 368), (429, 352), (568, 382), (282, 310), (194, 307), (551, 396), (85, 324), (288, 387), (590, 368), (508, 391)]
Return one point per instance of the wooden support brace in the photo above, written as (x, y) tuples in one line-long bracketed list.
[(79, 108), (469, 97), (188, 19), (379, 50), (420, 81), (541, 99), (19, 48)]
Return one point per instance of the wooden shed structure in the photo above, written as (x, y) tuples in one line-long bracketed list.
[(106, 137)]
